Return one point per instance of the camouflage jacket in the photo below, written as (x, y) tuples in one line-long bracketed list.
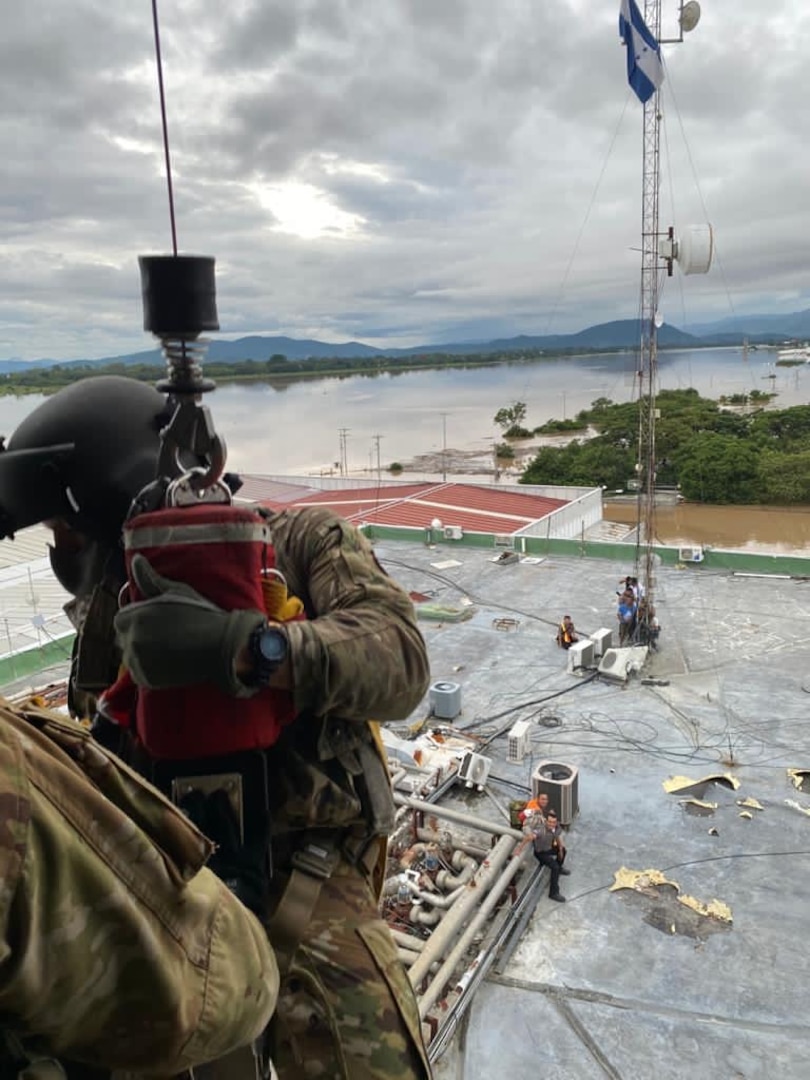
[(117, 947), (359, 656)]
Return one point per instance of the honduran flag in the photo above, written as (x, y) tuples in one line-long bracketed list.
[(645, 71)]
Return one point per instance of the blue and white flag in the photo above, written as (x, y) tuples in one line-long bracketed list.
[(645, 72)]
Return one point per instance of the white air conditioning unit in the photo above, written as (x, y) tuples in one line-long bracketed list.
[(690, 554), (445, 700), (561, 784), (474, 770), (453, 532), (602, 641), (520, 741), (582, 654), (504, 541)]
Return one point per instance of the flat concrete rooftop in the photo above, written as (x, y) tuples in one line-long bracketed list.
[(630, 984)]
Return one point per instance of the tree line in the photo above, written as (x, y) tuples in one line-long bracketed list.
[(709, 453), (276, 367)]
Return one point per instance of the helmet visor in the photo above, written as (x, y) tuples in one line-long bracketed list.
[(33, 486)]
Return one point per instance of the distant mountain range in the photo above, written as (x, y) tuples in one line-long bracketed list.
[(620, 334)]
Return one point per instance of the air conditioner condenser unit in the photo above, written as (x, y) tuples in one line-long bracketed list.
[(474, 770), (602, 640), (582, 654), (690, 554), (520, 741), (561, 783), (453, 532)]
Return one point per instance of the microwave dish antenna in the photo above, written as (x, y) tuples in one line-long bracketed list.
[(692, 249), (690, 16)]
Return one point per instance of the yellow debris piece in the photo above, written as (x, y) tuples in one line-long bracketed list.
[(798, 806), (798, 776), (681, 783), (750, 804), (639, 879), (699, 802), (624, 878), (715, 909), (746, 814)]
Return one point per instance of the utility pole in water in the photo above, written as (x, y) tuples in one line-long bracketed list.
[(344, 456), (444, 446)]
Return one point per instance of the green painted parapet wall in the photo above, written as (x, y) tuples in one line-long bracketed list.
[(38, 659), (743, 562), (19, 665)]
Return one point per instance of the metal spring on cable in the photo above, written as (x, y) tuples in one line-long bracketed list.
[(184, 364)]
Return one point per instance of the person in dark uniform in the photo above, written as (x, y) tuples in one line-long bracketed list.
[(549, 850)]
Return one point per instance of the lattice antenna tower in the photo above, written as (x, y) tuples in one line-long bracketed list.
[(658, 251)]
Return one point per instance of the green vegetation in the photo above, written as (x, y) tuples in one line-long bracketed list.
[(558, 427), (712, 455), (504, 452), (510, 419), (756, 397)]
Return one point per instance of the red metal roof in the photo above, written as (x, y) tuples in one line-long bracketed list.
[(473, 507)]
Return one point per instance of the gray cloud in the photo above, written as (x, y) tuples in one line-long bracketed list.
[(481, 161)]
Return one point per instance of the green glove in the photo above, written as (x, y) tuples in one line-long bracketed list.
[(175, 637)]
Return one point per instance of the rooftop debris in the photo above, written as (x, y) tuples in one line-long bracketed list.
[(798, 777), (750, 804), (798, 806), (644, 880), (674, 784)]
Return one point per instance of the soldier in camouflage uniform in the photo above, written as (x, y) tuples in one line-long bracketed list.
[(346, 1009), (117, 948)]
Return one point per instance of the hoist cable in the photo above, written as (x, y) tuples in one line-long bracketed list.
[(165, 125)]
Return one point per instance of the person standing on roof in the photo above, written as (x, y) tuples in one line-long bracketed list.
[(626, 614), (318, 800)]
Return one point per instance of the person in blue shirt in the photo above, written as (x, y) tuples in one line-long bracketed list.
[(626, 614)]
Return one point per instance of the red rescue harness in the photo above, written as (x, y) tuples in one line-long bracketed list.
[(225, 553)]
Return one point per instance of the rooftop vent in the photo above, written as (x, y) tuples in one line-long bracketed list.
[(445, 700)]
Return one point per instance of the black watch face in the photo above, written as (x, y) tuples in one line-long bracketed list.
[(273, 646)]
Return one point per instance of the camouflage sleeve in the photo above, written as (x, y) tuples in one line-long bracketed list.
[(362, 655), (107, 956)]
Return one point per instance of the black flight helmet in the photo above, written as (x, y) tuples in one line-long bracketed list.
[(82, 456)]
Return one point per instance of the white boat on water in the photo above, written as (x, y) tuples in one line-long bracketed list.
[(795, 353)]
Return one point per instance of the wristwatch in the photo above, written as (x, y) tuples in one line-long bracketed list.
[(268, 647)]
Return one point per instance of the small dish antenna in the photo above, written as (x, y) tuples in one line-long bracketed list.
[(690, 16)]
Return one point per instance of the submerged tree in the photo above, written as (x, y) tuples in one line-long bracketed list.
[(510, 419)]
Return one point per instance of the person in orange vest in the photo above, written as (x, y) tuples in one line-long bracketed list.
[(534, 812), (566, 634)]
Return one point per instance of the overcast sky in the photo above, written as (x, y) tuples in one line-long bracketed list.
[(393, 171)]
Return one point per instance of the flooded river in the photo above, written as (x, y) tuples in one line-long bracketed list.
[(362, 424), (749, 528)]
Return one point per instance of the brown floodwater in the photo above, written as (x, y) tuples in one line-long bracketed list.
[(751, 528)]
